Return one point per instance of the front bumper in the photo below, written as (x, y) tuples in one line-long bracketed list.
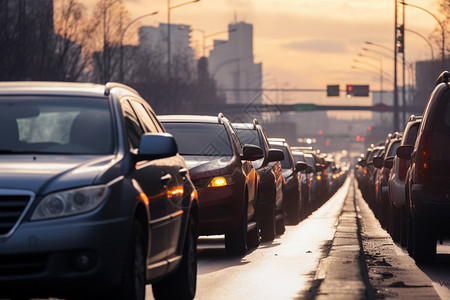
[(220, 209), (64, 256)]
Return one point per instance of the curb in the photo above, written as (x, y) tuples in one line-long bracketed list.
[(343, 274)]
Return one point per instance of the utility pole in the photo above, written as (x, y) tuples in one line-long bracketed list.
[(395, 127)]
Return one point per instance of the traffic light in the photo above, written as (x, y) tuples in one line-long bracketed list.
[(333, 90), (401, 39), (357, 90), (350, 89)]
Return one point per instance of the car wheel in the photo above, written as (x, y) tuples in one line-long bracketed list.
[(236, 240), (268, 223), (424, 242), (182, 283), (254, 236), (134, 276), (294, 212), (280, 225), (396, 220)]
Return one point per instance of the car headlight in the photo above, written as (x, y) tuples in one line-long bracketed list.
[(70, 202), (220, 181)]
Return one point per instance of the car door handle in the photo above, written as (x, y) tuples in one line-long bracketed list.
[(166, 179)]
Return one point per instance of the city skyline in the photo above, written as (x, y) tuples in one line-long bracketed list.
[(303, 44)]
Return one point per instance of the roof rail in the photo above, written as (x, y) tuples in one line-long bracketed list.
[(443, 78), (219, 117), (111, 85), (414, 118)]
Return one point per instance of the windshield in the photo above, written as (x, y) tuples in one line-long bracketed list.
[(55, 125), (200, 139), (249, 136)]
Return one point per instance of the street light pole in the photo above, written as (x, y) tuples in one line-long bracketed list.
[(169, 8), (440, 24), (381, 72), (122, 36), (395, 127)]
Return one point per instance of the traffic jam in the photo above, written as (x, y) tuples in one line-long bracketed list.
[(226, 149)]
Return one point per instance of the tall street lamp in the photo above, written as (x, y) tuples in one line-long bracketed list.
[(204, 36), (380, 69), (425, 39), (122, 36), (440, 24), (169, 8)]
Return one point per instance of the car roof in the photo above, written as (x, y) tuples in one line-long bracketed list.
[(63, 88), (248, 126), (188, 119)]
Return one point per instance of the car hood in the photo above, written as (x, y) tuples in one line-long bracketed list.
[(201, 166), (43, 174)]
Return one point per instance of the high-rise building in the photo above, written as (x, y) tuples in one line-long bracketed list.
[(155, 40), (231, 64)]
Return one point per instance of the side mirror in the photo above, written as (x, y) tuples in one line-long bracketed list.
[(300, 166), (156, 145), (362, 163), (405, 151), (251, 152), (378, 162), (275, 155), (309, 169), (389, 162)]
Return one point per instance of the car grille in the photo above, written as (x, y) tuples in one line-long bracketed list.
[(22, 265), (12, 206)]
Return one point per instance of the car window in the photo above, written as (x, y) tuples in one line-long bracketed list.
[(132, 125), (442, 120), (147, 122), (393, 148), (411, 135), (249, 136), (59, 125), (200, 138), (286, 163)]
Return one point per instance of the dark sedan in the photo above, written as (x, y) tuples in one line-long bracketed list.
[(221, 170)]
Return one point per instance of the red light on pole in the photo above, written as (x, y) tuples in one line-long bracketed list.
[(320, 132)]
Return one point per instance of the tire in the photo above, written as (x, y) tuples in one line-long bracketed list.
[(424, 242), (396, 223), (268, 223), (182, 283), (254, 237), (134, 275), (236, 240), (295, 213), (280, 226)]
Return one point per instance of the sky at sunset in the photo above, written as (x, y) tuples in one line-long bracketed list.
[(305, 43)]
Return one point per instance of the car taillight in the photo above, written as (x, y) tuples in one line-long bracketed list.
[(423, 158), (402, 169)]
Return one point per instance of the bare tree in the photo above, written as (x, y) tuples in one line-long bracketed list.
[(72, 37), (106, 26)]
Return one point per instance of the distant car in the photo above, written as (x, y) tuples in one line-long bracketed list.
[(428, 178), (294, 204), (305, 179), (384, 164), (222, 172), (95, 200), (396, 184), (271, 215)]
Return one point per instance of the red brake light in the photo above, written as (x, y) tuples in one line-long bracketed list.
[(423, 158)]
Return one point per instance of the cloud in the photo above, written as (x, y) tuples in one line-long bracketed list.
[(318, 45)]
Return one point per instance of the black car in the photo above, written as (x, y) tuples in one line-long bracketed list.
[(294, 204), (271, 215), (95, 200), (221, 170), (428, 177)]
